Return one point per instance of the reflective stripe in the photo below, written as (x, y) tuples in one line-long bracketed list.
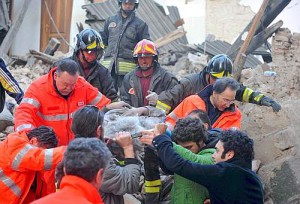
[(258, 97), (18, 158), (24, 126), (31, 101), (10, 184), (153, 183), (48, 159), (106, 63), (57, 117), (173, 116), (97, 99), (126, 66), (246, 94), (163, 106), (152, 189)]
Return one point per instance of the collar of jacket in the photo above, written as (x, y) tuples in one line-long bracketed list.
[(240, 162), (82, 186), (207, 92)]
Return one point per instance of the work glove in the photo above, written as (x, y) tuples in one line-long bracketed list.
[(152, 97), (266, 101)]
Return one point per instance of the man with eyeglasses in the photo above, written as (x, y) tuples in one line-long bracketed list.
[(217, 100), (219, 66)]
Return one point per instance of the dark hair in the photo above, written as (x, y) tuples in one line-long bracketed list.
[(45, 136), (222, 83), (238, 142), (202, 115), (189, 129), (85, 156), (86, 120), (67, 65)]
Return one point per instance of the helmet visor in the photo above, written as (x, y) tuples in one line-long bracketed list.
[(220, 74)]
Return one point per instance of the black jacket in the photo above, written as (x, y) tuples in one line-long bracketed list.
[(121, 35), (230, 182), (161, 80), (100, 78)]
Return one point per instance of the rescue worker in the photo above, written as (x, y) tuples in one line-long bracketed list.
[(117, 180), (82, 179), (230, 179), (219, 66), (142, 85), (53, 98), (120, 34), (217, 100), (9, 85), (24, 158), (89, 48)]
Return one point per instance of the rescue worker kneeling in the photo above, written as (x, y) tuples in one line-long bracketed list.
[(24, 158)]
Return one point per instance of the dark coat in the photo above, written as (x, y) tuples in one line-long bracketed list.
[(229, 182)]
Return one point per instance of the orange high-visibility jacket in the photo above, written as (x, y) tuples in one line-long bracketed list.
[(42, 105), (19, 163), (73, 190), (226, 120)]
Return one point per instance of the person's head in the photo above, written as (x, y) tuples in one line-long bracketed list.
[(86, 158), (224, 91), (127, 7), (66, 76), (219, 66), (145, 54), (190, 133), (89, 47), (43, 137), (87, 122), (234, 144), (202, 115)]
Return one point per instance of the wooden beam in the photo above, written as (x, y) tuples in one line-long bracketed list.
[(46, 58), (12, 32), (274, 8), (52, 46), (238, 62), (262, 37), (174, 35)]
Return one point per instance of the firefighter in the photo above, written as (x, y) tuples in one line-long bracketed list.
[(89, 48), (120, 34), (219, 66), (142, 85), (24, 158)]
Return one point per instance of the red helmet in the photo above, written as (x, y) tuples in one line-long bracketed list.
[(145, 48)]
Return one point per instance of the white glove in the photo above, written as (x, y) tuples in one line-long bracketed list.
[(152, 97)]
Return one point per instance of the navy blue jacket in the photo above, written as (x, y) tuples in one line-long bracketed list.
[(227, 182)]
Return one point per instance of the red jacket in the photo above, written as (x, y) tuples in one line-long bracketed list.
[(19, 163), (73, 190), (42, 105), (226, 120)]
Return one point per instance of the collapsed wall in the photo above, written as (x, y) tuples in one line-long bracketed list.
[(277, 135)]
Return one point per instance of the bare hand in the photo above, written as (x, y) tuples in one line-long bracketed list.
[(152, 97), (136, 112), (118, 105), (207, 201), (124, 140), (160, 129), (147, 137)]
